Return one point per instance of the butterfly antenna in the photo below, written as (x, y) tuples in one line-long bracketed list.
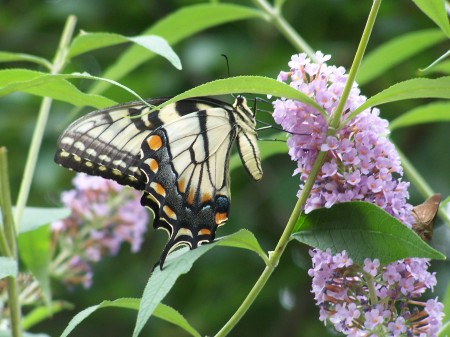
[(228, 64), (228, 70)]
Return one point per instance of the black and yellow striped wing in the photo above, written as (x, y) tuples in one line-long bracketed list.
[(177, 155)]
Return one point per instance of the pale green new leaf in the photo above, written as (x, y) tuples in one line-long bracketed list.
[(175, 27), (35, 217), (178, 263), (8, 267), (435, 10), (247, 84), (20, 57), (396, 51), (47, 85), (41, 313), (162, 311), (430, 113), (410, 89), (34, 248), (86, 42)]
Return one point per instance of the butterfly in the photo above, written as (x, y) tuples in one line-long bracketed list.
[(177, 155), (424, 216)]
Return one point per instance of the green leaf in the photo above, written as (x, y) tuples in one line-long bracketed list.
[(8, 267), (247, 84), (162, 311), (396, 51), (430, 113), (178, 263), (364, 231), (245, 240), (414, 88), (35, 217), (445, 330), (169, 314), (39, 314), (86, 42), (34, 251), (15, 57), (46, 85), (435, 10), (175, 27)]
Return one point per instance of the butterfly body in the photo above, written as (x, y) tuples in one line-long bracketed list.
[(178, 155)]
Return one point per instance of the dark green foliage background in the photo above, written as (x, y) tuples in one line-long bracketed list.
[(217, 284)]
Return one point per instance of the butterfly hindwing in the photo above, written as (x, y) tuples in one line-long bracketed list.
[(188, 181), (178, 155)]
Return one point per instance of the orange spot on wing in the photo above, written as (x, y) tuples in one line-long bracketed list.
[(190, 198), (153, 164), (181, 185), (204, 231), (221, 218), (158, 188), (154, 142), (169, 212), (206, 197)]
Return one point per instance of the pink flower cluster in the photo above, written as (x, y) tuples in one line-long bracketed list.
[(104, 215), (361, 163), (374, 300)]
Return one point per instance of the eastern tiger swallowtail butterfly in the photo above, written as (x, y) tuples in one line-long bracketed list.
[(424, 215), (178, 156)]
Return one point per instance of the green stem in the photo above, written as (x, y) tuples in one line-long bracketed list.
[(335, 123), (8, 232), (10, 246), (371, 286), (36, 141), (274, 16), (420, 183), (5, 249), (274, 258)]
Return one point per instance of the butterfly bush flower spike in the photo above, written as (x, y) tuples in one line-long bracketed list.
[(104, 215), (392, 309), (360, 164)]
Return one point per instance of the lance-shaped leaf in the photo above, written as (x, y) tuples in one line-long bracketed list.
[(410, 89), (247, 84), (435, 10), (34, 247), (46, 85), (20, 57), (162, 311), (35, 217), (175, 27), (8, 267), (178, 263), (364, 231), (86, 42), (430, 113), (396, 51)]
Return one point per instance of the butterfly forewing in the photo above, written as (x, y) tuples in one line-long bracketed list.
[(178, 155)]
